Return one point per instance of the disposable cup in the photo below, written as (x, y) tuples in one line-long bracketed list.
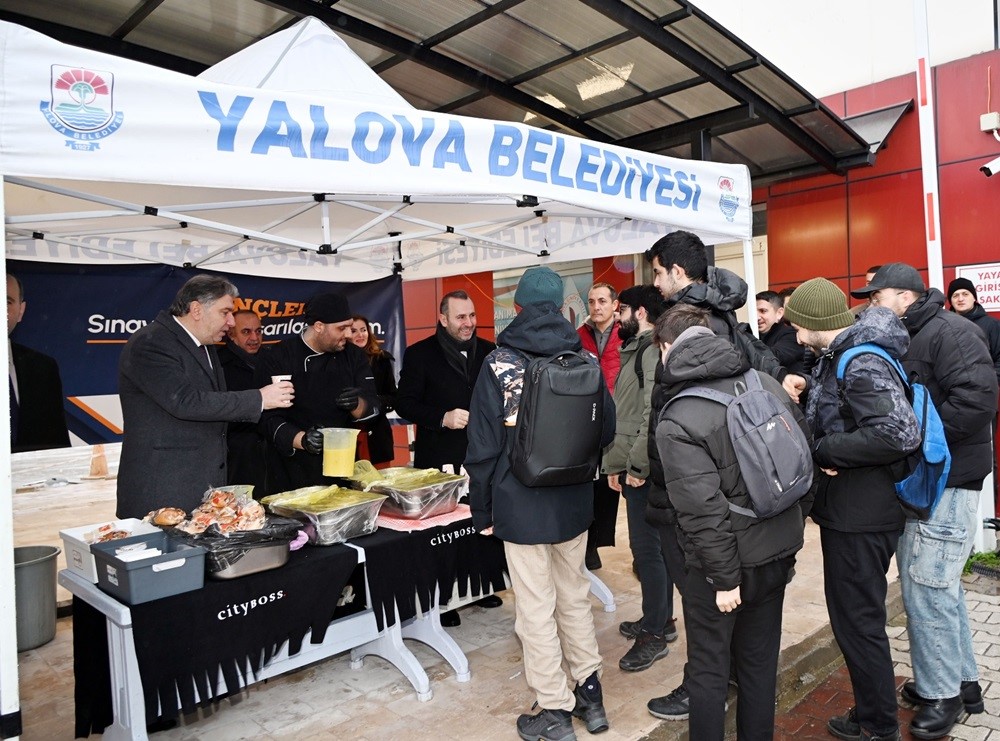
[(279, 379)]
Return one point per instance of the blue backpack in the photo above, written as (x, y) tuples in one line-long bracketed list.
[(931, 462)]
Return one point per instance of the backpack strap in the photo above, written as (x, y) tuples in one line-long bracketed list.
[(640, 349), (870, 347)]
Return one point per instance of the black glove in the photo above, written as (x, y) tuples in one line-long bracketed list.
[(348, 399), (312, 441)]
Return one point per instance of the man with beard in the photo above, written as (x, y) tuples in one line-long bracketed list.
[(333, 388), (965, 302), (238, 356), (434, 392), (625, 463)]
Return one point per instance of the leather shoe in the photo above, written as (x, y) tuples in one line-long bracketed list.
[(971, 694), (450, 619), (936, 719), (489, 601)]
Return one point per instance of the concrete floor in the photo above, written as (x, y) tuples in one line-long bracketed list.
[(329, 699)]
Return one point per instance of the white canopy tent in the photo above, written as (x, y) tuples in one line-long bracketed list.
[(293, 159)]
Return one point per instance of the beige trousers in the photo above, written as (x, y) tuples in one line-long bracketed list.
[(553, 617)]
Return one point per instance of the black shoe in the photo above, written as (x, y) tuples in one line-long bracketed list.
[(489, 602), (936, 719), (547, 725), (647, 649), (866, 736), (450, 619), (971, 693), (675, 706), (592, 560), (590, 704), (630, 629), (845, 726)]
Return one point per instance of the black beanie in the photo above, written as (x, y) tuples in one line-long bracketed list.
[(958, 284)]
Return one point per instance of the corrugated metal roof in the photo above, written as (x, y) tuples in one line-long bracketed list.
[(656, 75)]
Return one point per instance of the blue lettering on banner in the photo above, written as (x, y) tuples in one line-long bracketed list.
[(534, 154)]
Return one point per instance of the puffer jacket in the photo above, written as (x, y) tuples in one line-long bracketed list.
[(629, 452), (863, 428), (990, 328), (519, 513), (609, 359), (949, 355), (700, 469), (723, 293)]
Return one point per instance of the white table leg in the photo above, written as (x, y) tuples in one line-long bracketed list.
[(600, 590), (389, 645), (427, 629)]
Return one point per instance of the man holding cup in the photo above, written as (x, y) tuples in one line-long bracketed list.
[(333, 385)]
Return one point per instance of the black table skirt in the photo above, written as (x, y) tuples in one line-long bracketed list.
[(183, 641), (405, 568)]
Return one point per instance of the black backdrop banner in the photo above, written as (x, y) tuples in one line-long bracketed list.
[(82, 315)]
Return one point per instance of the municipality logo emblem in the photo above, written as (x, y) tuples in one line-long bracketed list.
[(728, 203), (82, 106)]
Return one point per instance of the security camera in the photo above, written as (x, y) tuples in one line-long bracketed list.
[(991, 168)]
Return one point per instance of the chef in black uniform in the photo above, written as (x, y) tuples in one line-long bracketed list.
[(333, 384)]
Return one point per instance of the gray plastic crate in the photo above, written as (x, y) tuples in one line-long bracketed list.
[(180, 568)]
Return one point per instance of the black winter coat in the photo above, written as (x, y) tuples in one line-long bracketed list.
[(949, 355), (518, 513), (990, 328), (863, 427), (378, 429), (700, 468), (428, 388)]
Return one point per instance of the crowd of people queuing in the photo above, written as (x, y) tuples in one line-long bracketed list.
[(195, 411)]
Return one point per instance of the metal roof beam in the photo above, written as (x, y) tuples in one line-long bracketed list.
[(702, 65), (138, 15), (438, 62), (717, 123)]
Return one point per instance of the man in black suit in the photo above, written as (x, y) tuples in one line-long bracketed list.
[(175, 405), (436, 382), (435, 389), (238, 356), (37, 419)]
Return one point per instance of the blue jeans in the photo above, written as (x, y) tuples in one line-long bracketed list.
[(931, 556), (644, 541)]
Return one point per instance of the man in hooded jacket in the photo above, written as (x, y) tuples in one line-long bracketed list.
[(949, 356), (544, 529), (733, 560), (863, 429)]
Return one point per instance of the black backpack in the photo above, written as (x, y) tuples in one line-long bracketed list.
[(772, 450), (557, 437)]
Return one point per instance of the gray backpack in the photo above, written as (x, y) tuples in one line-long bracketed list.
[(773, 453)]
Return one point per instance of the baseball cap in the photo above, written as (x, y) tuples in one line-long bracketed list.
[(893, 275)]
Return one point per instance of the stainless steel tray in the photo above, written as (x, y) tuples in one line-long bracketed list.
[(334, 523), (417, 503), (256, 559)]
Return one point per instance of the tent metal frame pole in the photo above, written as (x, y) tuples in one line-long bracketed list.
[(751, 280)]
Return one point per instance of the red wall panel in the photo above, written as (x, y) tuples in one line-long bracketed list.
[(420, 303), (807, 235), (886, 222), (970, 204), (962, 95)]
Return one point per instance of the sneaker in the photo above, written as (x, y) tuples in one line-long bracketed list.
[(845, 726), (971, 692), (546, 725), (590, 704), (674, 706), (630, 629), (647, 649)]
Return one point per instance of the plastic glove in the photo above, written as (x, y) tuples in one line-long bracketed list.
[(312, 441), (348, 399)]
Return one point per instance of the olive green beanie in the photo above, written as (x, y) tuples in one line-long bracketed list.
[(819, 305)]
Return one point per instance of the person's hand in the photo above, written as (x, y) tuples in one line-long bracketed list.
[(794, 385), (486, 530), (312, 441), (634, 481), (829, 471), (348, 399), (278, 395), (728, 601), (615, 482), (456, 419)]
